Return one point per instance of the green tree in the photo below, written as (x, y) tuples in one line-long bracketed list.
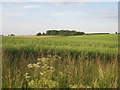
[(38, 34), (64, 32), (43, 34)]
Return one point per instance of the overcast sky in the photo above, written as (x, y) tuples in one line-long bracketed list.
[(29, 18)]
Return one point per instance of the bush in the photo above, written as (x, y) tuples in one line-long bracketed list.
[(38, 34)]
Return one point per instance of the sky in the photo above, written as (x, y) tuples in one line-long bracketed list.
[(60, 0), (29, 18)]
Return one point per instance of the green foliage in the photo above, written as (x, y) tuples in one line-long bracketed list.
[(52, 73), (42, 74), (64, 32), (38, 34), (43, 34)]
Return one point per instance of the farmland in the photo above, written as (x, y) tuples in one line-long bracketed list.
[(103, 45), (92, 57)]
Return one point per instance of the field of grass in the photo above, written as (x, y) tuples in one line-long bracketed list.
[(88, 61), (70, 46)]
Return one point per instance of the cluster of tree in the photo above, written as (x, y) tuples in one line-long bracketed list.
[(64, 32), (11, 35), (39, 34)]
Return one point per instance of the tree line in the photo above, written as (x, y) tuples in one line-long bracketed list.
[(61, 32)]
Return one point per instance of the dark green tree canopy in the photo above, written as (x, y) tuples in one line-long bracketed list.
[(11, 35), (38, 34), (64, 32)]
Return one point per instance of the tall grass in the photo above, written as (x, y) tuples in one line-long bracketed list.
[(53, 72)]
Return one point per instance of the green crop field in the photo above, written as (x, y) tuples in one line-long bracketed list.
[(87, 61), (95, 44)]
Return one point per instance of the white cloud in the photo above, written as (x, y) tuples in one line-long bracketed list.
[(57, 14), (19, 5), (13, 14), (103, 14), (70, 4), (108, 15), (28, 6)]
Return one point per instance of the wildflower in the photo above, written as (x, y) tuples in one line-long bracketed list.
[(44, 60), (27, 77), (73, 86), (31, 83), (89, 87), (36, 65), (61, 73), (39, 59), (45, 66), (26, 74), (51, 67), (44, 72), (41, 73), (30, 66)]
